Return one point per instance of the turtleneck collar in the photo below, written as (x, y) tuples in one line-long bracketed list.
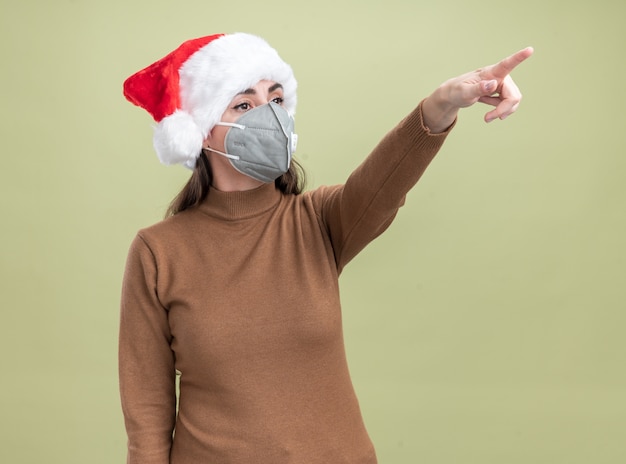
[(232, 206)]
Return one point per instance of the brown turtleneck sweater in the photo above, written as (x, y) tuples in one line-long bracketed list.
[(240, 295)]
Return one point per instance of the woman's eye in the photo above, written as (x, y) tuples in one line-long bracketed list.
[(278, 100), (243, 106)]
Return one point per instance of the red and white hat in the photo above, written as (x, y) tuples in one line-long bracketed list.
[(187, 91)]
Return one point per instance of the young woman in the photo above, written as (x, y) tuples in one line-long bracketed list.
[(237, 289)]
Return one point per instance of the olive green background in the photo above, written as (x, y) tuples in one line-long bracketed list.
[(486, 326)]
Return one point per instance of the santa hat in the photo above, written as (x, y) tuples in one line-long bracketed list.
[(187, 91)]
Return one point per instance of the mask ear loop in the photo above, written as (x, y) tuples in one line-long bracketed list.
[(230, 124), (226, 155)]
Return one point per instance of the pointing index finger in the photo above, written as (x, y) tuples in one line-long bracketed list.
[(508, 64)]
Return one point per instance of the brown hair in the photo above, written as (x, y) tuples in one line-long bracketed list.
[(197, 187)]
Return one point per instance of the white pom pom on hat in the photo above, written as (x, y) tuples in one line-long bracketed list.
[(187, 91)]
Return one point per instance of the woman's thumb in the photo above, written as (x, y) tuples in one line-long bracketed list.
[(488, 87)]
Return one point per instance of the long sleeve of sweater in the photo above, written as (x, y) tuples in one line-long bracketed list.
[(361, 209), (146, 362)]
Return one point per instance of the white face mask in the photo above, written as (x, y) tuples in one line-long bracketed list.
[(261, 142)]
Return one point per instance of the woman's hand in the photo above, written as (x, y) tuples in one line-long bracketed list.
[(491, 85)]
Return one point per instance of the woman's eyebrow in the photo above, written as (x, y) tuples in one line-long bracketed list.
[(274, 87), (251, 91)]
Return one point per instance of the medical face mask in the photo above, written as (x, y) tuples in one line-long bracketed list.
[(260, 143)]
